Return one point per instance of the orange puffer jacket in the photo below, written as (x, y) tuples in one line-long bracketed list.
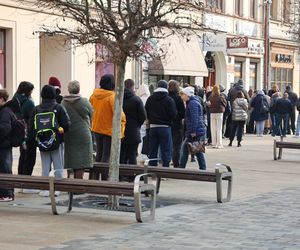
[(103, 101)]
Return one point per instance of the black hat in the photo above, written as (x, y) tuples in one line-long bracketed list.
[(48, 92), (107, 82), (162, 84)]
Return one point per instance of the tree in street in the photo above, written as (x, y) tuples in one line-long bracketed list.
[(125, 28)]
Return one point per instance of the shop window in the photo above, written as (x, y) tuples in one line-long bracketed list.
[(238, 71), (2, 59), (282, 77), (238, 9), (253, 76)]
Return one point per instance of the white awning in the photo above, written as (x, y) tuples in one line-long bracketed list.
[(184, 58)]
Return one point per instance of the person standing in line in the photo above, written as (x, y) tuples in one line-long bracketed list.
[(227, 112), (50, 148), (78, 139), (274, 99), (292, 116), (55, 82), (217, 104), (239, 117), (297, 133), (103, 100), (208, 115), (161, 112), (283, 108), (135, 116), (28, 149), (6, 159), (177, 125), (259, 115), (195, 127)]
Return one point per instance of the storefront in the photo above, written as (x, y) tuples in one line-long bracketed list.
[(282, 66)]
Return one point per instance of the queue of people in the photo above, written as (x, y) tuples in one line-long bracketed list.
[(65, 127)]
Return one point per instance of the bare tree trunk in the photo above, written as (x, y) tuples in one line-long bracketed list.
[(116, 138)]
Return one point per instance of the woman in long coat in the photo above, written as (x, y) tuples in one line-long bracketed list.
[(78, 139)]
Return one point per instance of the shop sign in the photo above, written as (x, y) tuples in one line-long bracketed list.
[(237, 44), (282, 58), (214, 42)]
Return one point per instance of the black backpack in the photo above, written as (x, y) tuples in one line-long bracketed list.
[(46, 129), (18, 133)]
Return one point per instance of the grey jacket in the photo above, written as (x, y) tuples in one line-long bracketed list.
[(239, 109)]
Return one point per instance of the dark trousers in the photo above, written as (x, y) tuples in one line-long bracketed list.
[(27, 159), (6, 168), (177, 136), (281, 118), (227, 126), (250, 126), (160, 137), (237, 127), (291, 124), (103, 144), (128, 153), (208, 133)]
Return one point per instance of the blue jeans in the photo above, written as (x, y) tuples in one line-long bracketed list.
[(298, 125), (279, 119), (259, 126), (160, 137), (273, 121), (184, 155)]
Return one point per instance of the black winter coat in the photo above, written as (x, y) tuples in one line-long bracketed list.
[(134, 110), (283, 106), (177, 124), (6, 118), (161, 108), (292, 97)]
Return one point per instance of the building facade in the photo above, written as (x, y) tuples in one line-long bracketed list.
[(235, 48), (27, 53)]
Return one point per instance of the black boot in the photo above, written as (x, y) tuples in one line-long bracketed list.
[(230, 144), (239, 144)]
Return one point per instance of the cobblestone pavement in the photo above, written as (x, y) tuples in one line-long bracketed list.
[(269, 221), (264, 212)]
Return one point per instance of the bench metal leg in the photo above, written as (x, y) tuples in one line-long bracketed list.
[(274, 151), (151, 191), (70, 174), (219, 178), (279, 154)]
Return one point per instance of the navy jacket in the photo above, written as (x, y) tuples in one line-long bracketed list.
[(256, 105), (194, 118), (177, 124)]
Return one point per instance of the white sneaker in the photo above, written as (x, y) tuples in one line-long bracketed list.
[(57, 193), (44, 193), (30, 191)]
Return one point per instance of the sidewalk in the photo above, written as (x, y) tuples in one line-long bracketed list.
[(263, 213)]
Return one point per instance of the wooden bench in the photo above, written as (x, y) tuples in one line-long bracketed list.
[(174, 173), (283, 144), (71, 185)]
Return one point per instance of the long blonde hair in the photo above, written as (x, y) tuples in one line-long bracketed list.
[(216, 90)]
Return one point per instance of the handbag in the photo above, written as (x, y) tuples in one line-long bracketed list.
[(196, 146)]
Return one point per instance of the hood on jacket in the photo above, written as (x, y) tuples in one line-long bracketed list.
[(72, 98), (127, 94), (102, 93), (160, 93)]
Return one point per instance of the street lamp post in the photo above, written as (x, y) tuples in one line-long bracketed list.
[(267, 55)]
